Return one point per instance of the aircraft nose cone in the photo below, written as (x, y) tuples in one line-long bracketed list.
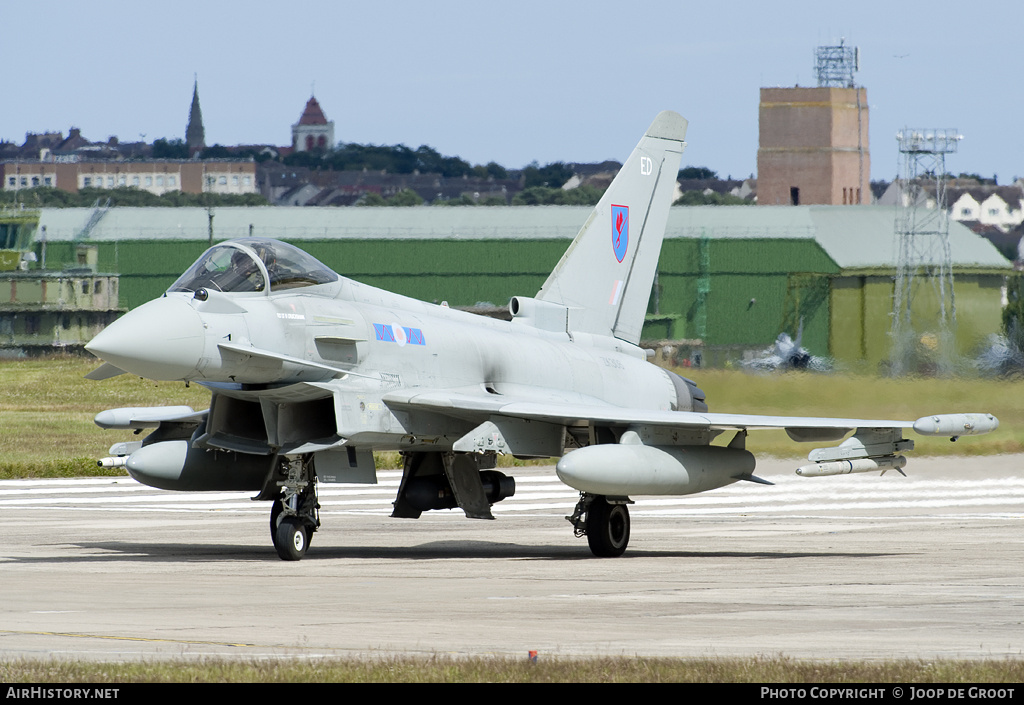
[(161, 340)]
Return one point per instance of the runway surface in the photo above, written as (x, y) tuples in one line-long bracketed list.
[(858, 566)]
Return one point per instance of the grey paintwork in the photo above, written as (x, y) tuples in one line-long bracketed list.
[(574, 344), (303, 363)]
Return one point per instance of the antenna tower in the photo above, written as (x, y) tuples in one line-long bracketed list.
[(834, 66), (924, 307)]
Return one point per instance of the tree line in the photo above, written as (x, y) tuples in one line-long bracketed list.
[(394, 159)]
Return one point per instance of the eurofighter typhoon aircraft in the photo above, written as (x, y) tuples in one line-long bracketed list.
[(311, 372)]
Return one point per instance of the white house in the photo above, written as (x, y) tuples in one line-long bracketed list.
[(998, 206)]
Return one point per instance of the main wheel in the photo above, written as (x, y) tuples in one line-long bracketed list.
[(291, 539), (607, 528)]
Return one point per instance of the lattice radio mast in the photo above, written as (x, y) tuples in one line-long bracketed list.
[(835, 65), (924, 307)]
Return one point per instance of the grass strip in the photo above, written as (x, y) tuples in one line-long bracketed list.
[(448, 669)]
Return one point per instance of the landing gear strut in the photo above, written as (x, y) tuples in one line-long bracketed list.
[(295, 516), (605, 523)]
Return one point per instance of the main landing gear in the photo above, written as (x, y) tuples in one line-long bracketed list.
[(604, 521), (295, 516)]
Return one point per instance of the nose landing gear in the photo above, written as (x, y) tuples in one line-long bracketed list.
[(295, 514)]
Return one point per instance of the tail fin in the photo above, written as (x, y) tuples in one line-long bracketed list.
[(605, 276)]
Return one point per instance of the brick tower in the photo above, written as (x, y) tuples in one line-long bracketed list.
[(814, 141)]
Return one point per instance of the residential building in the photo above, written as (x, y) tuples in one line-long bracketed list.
[(155, 176), (998, 206)]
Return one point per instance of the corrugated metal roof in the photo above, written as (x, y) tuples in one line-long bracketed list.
[(855, 237), (492, 222), (867, 240)]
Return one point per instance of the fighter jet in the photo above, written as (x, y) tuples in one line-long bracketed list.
[(787, 354), (311, 372)]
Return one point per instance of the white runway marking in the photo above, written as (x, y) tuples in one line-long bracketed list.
[(539, 491), (856, 566)]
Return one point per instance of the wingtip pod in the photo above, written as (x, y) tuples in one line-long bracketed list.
[(955, 425), (668, 125)]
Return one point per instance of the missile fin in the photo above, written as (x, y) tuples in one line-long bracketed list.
[(105, 371), (753, 478)]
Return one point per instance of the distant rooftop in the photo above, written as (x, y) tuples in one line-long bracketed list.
[(854, 237), (313, 114)]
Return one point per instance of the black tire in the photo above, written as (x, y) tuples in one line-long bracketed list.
[(275, 512), (292, 539), (607, 528)]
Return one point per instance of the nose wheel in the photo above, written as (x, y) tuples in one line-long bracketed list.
[(294, 515)]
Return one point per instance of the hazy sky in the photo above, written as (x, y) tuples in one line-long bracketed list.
[(512, 81)]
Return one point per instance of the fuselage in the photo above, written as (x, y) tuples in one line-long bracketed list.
[(357, 343)]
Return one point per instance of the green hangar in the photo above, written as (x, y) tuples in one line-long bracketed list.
[(730, 279)]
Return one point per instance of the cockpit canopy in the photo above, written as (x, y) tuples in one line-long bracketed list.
[(247, 264)]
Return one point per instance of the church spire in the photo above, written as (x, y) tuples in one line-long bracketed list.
[(195, 135)]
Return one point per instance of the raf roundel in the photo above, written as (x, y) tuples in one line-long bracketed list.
[(620, 231)]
